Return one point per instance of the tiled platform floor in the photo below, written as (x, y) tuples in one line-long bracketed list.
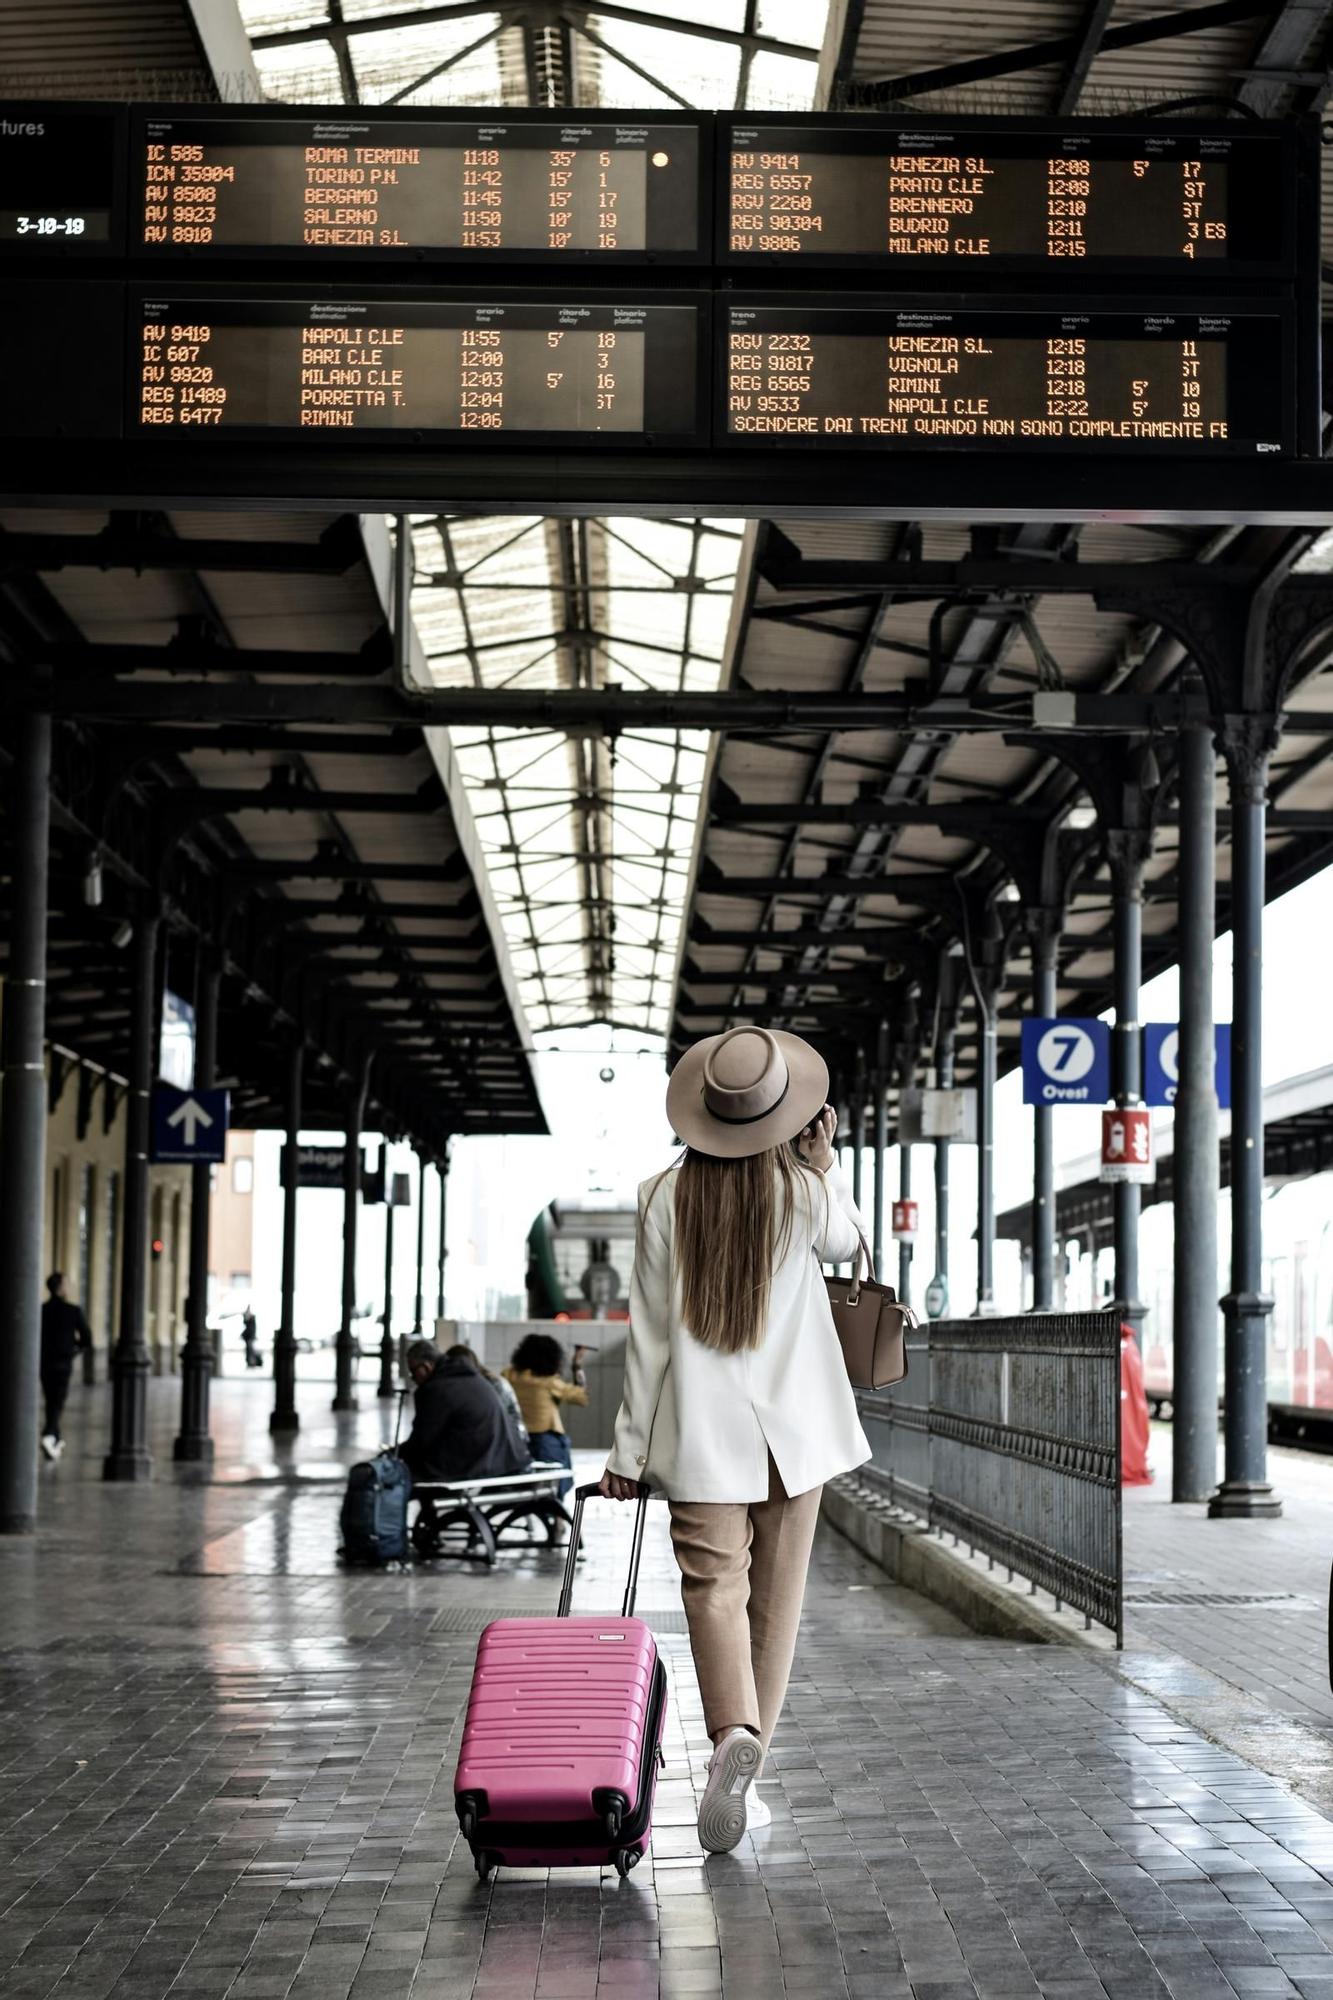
[(225, 1770), (1271, 1638)]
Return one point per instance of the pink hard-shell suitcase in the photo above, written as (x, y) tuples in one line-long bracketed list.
[(563, 1736)]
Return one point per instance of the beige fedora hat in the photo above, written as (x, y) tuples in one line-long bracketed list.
[(737, 1094)]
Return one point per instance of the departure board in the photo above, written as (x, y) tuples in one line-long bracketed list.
[(614, 370), (846, 376), (60, 177), (868, 192), (342, 184)]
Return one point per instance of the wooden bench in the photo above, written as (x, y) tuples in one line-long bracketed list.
[(486, 1509)]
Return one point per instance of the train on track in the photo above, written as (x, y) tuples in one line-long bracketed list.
[(1298, 1277)]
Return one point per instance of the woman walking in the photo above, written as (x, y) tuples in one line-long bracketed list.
[(737, 1405)]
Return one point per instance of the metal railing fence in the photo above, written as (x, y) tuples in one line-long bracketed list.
[(1006, 1433)]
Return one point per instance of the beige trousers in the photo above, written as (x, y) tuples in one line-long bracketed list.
[(742, 1571)]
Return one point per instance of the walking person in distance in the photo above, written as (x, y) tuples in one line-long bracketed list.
[(737, 1405), (65, 1333)]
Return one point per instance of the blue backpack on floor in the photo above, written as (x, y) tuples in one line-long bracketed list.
[(374, 1511)]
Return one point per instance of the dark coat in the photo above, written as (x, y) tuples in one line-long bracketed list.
[(461, 1428), (64, 1332)]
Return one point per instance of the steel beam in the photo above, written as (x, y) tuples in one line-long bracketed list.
[(1060, 49), (208, 709), (23, 1130), (575, 13), (1195, 1164), (772, 485), (132, 542)]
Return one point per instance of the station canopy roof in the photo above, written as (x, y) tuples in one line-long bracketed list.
[(332, 862)]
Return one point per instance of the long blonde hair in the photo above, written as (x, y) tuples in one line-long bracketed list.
[(729, 1237)]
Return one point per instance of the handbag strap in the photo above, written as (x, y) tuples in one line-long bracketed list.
[(854, 1294)]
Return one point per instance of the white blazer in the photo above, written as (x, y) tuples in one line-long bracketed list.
[(717, 1416)]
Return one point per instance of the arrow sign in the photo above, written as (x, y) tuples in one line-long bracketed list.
[(189, 1125), (191, 1116)]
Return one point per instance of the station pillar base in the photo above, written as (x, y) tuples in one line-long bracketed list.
[(127, 1466), (193, 1451), (1243, 1500)]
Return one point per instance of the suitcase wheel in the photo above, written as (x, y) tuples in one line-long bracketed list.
[(486, 1863), (611, 1821), (467, 1820), (627, 1858)]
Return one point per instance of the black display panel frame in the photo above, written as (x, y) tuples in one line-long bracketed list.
[(389, 119), (383, 301), (106, 128), (1059, 317), (1277, 210)]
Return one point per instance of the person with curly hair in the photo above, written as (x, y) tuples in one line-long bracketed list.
[(534, 1374)]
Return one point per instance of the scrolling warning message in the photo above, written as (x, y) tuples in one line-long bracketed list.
[(861, 191), (614, 371), (453, 187), (840, 376)]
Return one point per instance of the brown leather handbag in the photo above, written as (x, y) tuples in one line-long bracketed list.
[(871, 1326)]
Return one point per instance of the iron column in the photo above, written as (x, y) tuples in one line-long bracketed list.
[(946, 1031), (388, 1387), (1195, 1156), (1245, 1489), (23, 1129), (285, 1420), (858, 1124), (419, 1312), (881, 1143), (193, 1444), (1044, 937), (344, 1391), (986, 1065), (1127, 851), (904, 1243), (128, 1457), (442, 1169)]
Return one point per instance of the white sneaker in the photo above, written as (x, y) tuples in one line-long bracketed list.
[(736, 1763), (51, 1446), (758, 1813)]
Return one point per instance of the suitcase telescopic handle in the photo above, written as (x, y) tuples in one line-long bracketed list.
[(582, 1493)]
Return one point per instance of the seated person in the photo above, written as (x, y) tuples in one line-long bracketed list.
[(534, 1374), (460, 1351), (461, 1429)]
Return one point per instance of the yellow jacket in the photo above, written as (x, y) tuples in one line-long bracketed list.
[(540, 1397)]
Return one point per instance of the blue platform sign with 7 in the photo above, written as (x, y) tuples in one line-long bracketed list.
[(1066, 1061)]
